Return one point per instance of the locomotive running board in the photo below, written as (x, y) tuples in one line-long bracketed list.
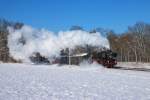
[(133, 69)]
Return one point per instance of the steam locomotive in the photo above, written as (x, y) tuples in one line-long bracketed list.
[(107, 58)]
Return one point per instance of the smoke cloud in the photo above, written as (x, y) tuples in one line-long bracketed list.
[(24, 42)]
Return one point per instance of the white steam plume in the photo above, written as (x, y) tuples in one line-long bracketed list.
[(24, 42)]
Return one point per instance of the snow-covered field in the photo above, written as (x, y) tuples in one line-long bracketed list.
[(88, 82)]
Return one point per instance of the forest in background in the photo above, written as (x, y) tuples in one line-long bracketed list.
[(131, 46)]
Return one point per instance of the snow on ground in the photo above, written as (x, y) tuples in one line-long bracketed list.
[(89, 82), (134, 65)]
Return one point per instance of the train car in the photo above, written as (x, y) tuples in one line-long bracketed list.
[(37, 58)]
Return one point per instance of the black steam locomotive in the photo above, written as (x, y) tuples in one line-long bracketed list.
[(106, 58)]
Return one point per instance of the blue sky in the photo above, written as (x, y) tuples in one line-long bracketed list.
[(58, 15)]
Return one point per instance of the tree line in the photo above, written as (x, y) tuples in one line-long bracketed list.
[(131, 46), (4, 50)]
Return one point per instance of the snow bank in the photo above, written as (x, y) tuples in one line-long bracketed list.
[(86, 64), (23, 42)]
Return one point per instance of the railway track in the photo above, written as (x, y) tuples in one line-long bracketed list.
[(133, 69)]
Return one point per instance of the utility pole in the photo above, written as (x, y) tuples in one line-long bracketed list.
[(69, 57)]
